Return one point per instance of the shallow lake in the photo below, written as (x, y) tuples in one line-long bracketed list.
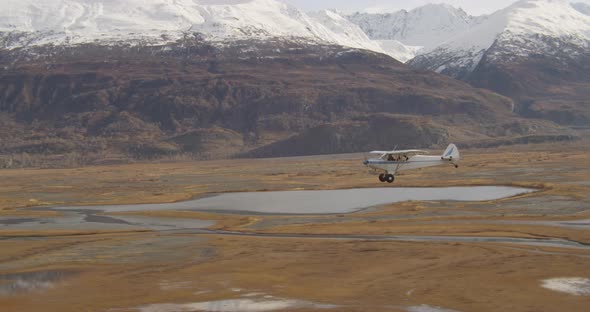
[(322, 202), (279, 203)]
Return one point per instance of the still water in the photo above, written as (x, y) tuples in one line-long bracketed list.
[(322, 202)]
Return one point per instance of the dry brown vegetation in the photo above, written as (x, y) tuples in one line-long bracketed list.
[(127, 270), (540, 166), (102, 105)]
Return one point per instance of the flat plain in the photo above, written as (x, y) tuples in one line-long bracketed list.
[(410, 256)]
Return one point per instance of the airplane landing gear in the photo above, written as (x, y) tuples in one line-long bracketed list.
[(389, 178)]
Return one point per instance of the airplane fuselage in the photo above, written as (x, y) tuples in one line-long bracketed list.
[(414, 162), (392, 162)]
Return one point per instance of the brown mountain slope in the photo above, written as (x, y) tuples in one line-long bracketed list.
[(547, 87), (94, 103), (548, 78)]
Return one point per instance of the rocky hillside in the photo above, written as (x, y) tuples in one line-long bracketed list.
[(88, 81), (94, 103)]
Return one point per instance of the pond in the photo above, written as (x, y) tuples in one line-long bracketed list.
[(322, 202)]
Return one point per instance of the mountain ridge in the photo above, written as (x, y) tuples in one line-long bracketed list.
[(425, 26), (155, 22), (102, 102), (522, 29)]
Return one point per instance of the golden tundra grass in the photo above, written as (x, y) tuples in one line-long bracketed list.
[(123, 271), (169, 182)]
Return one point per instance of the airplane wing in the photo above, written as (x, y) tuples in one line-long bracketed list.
[(400, 152)]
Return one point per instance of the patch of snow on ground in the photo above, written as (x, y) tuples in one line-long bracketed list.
[(235, 305), (428, 308), (573, 285)]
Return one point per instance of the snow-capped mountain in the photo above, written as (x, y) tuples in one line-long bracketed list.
[(582, 7), (424, 28), (339, 29), (25, 23), (540, 27)]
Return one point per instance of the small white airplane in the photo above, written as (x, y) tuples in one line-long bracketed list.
[(394, 161)]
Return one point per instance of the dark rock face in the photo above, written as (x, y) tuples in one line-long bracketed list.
[(552, 82), (556, 89), (250, 98)]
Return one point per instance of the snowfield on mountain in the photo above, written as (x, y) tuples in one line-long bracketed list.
[(25, 23), (546, 27), (425, 27)]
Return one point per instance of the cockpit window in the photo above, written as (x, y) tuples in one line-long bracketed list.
[(400, 157)]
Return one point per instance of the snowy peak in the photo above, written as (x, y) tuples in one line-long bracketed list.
[(254, 18), (524, 28), (344, 28), (523, 20), (425, 26), (38, 22), (339, 29), (402, 35), (96, 16), (443, 11), (556, 18)]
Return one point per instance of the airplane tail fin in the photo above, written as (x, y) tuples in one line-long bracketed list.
[(452, 154)]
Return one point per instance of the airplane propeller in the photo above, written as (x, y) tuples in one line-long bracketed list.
[(365, 159)]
